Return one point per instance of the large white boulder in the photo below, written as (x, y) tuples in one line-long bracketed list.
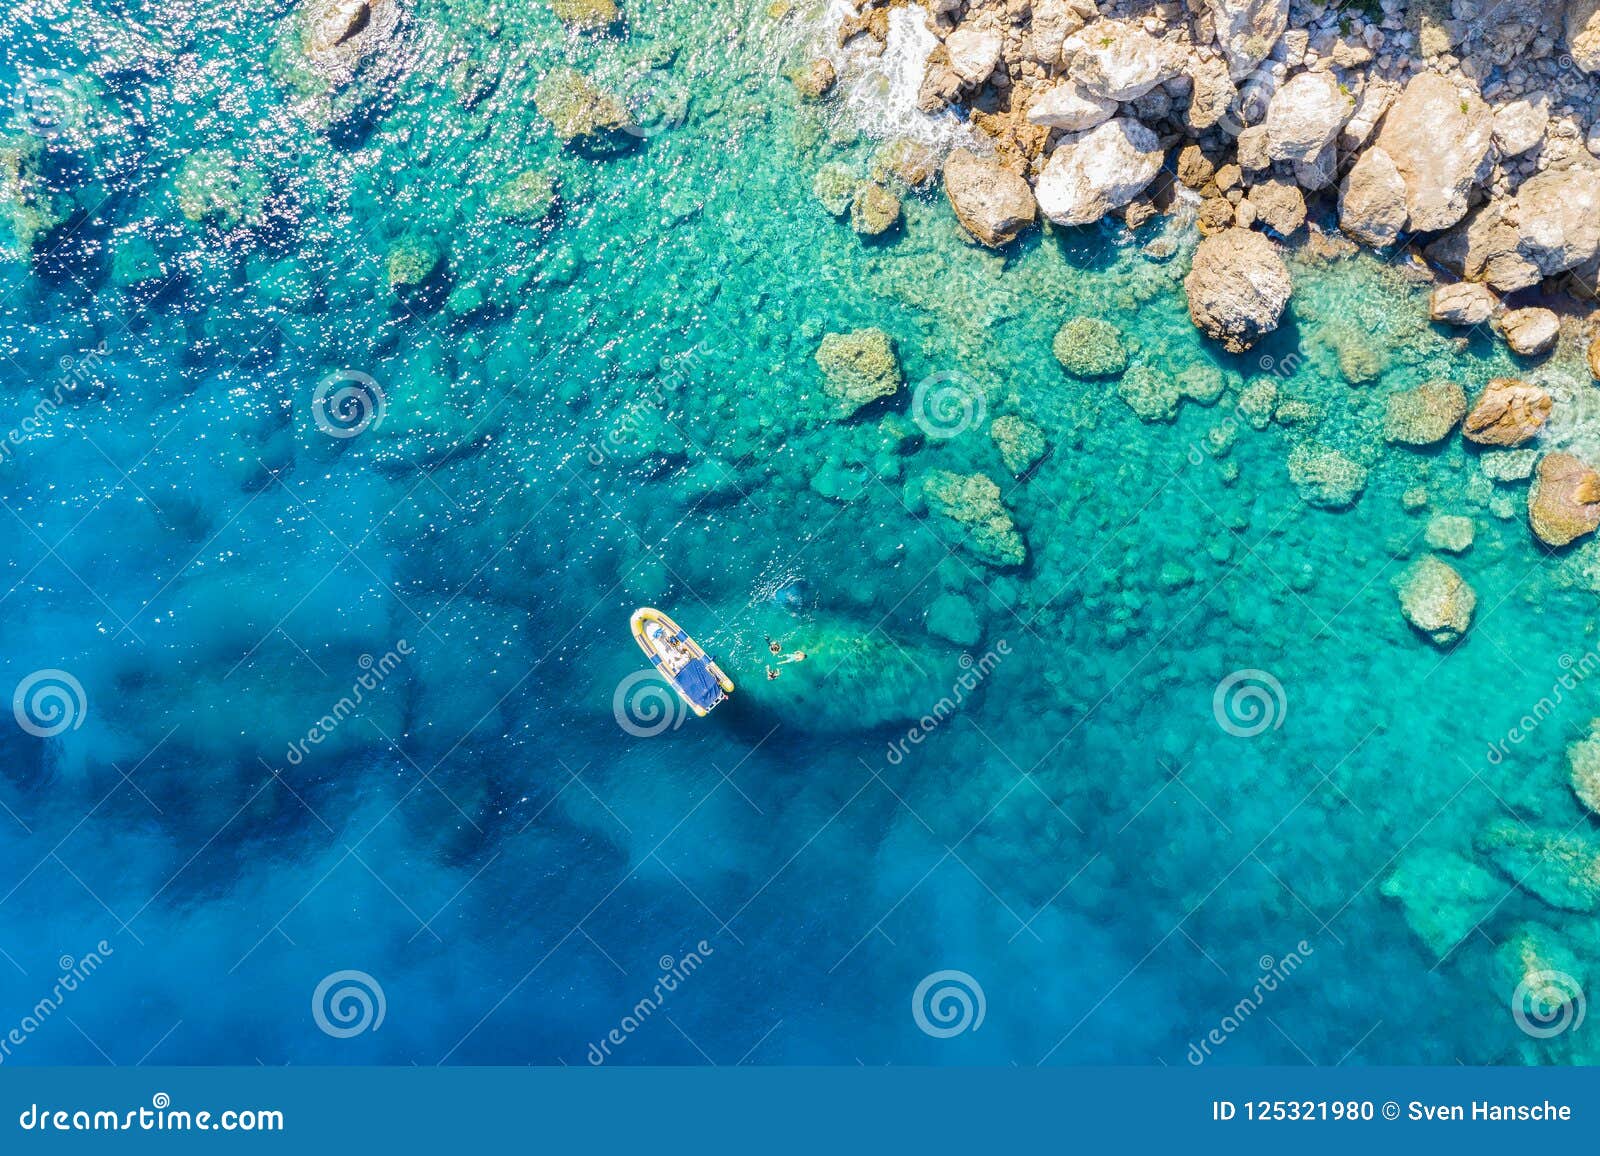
[(1438, 137), (1118, 61), (974, 51), (1247, 30), (1372, 200), (1305, 116), (1091, 173), (1238, 287), (1068, 107)]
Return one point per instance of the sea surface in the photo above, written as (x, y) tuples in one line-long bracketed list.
[(332, 745)]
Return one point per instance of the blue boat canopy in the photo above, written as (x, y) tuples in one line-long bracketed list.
[(699, 684)]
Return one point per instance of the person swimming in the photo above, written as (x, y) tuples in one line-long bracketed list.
[(772, 674), (774, 646)]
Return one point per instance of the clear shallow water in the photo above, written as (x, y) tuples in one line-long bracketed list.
[(620, 405)]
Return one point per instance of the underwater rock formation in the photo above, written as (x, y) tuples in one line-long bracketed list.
[(1090, 347), (1425, 414), (1436, 600), (973, 503), (858, 368), (1561, 869), (1326, 477), (582, 113)]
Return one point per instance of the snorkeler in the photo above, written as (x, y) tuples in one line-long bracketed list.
[(775, 647), (772, 674), (797, 656)]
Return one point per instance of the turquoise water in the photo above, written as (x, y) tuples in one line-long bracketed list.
[(619, 404)]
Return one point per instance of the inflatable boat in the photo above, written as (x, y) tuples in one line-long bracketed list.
[(680, 660)]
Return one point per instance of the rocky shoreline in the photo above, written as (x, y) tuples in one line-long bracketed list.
[(1451, 130)]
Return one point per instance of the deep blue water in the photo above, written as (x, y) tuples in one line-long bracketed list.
[(617, 405)]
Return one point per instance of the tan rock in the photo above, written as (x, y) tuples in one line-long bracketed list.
[(1237, 287), (1372, 200), (1508, 413), (992, 203), (1464, 303), (1438, 137), (1564, 500), (1529, 332), (1280, 205)]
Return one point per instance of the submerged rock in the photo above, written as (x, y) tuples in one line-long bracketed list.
[(582, 113), (908, 161), (834, 186), (411, 263), (993, 204), (1564, 500), (1449, 532), (1561, 869), (29, 213), (1325, 477), (213, 187), (528, 196), (1089, 347), (1583, 766), (1093, 172), (972, 502), (855, 677), (952, 618), (1020, 442), (586, 14), (858, 368), (1436, 600), (1237, 287), (1507, 413), (1443, 896), (874, 210), (1424, 415)]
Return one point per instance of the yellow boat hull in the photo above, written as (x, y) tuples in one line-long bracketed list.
[(678, 637)]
